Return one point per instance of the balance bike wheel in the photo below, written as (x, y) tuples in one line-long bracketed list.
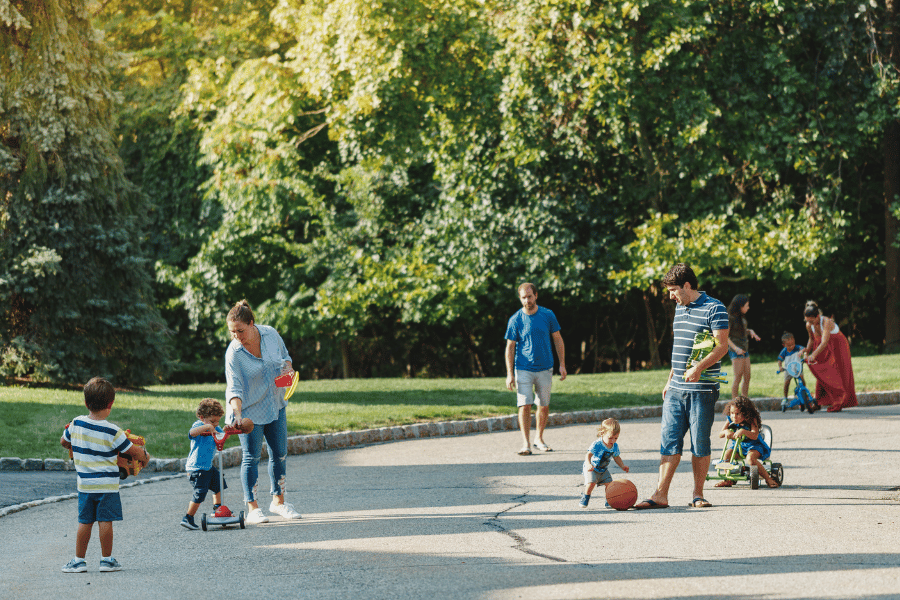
[(754, 477), (242, 520), (203, 521)]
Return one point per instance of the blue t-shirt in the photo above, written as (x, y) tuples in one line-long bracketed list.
[(203, 448), (784, 352), (532, 335), (703, 314), (601, 455)]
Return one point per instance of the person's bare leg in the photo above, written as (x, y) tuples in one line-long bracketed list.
[(753, 457), (105, 528), (700, 465), (667, 468), (745, 386), (739, 373), (543, 414), (525, 425), (82, 539)]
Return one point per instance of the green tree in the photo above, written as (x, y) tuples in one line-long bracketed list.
[(74, 278)]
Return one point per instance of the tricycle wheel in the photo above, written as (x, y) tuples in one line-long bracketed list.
[(242, 520), (807, 400), (203, 521), (777, 473), (754, 477)]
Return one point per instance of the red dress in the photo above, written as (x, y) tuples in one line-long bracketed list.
[(834, 373)]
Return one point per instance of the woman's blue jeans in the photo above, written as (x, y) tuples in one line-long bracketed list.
[(275, 436)]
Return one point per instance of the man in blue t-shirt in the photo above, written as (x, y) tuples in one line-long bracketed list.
[(529, 363), (689, 404)]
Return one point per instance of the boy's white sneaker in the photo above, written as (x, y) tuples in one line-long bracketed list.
[(76, 565), (256, 516), (109, 564), (285, 510)]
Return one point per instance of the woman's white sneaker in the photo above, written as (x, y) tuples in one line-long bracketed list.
[(286, 510), (256, 516)]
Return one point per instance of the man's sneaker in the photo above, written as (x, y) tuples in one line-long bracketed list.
[(256, 516), (76, 565), (188, 521), (109, 564), (584, 500), (286, 510)]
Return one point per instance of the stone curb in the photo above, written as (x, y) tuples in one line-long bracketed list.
[(305, 444), (19, 507)]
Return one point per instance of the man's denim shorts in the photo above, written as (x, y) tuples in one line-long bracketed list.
[(683, 412), (99, 507)]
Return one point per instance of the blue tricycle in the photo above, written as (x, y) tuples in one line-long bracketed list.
[(802, 396)]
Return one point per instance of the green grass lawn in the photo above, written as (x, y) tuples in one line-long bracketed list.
[(33, 418)]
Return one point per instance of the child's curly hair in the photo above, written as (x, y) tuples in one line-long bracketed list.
[(746, 407), (610, 426), (209, 408)]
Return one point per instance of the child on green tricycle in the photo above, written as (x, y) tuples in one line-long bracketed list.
[(743, 426)]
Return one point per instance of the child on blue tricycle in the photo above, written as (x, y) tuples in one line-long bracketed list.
[(790, 362)]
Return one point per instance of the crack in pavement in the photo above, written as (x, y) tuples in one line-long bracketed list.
[(521, 544)]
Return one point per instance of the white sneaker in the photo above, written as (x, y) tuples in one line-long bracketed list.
[(286, 510), (256, 516)]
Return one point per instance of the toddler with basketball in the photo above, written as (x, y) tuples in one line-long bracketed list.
[(596, 462)]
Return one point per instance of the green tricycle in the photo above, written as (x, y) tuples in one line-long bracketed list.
[(732, 466)]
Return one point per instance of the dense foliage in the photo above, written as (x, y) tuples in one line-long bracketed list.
[(377, 177), (75, 281)]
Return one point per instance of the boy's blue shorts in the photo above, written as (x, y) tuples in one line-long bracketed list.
[(99, 507), (203, 482), (733, 355)]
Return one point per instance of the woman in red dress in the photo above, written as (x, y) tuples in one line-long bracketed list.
[(828, 357)]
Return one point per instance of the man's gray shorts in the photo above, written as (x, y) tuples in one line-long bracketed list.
[(533, 387)]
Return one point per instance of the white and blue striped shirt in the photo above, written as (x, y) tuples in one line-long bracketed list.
[(703, 314), (252, 379), (95, 450)]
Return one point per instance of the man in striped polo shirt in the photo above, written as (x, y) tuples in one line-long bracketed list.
[(688, 403)]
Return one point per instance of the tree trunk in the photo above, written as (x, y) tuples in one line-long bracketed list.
[(653, 340), (345, 358), (477, 369), (892, 195)]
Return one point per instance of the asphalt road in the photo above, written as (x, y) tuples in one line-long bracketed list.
[(465, 517)]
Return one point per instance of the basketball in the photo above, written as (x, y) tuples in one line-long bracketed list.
[(621, 494), (246, 425)]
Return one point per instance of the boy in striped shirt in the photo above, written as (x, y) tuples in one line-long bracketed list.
[(95, 444)]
